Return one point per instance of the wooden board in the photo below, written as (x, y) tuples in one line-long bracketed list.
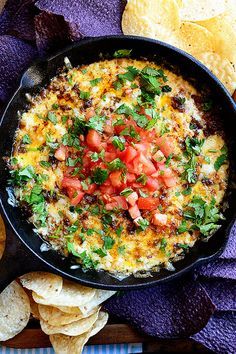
[(110, 334)]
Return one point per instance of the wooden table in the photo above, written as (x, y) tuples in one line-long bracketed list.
[(113, 332)]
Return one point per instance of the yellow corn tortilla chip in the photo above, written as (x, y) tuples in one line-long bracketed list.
[(69, 345), (100, 323), (72, 294), (99, 297), (194, 38), (145, 17), (71, 329), (224, 37), (221, 67), (14, 311), (2, 230), (69, 309), (42, 283), (198, 10), (55, 317)]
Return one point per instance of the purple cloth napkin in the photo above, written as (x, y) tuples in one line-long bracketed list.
[(201, 306)]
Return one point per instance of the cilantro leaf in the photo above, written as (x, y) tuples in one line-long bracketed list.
[(221, 160), (26, 139), (116, 164), (122, 53), (94, 82), (99, 175), (118, 142), (108, 242), (52, 117)]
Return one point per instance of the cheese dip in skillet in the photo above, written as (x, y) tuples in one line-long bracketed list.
[(121, 164)]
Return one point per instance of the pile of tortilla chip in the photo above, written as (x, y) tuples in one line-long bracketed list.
[(69, 313), (205, 29)]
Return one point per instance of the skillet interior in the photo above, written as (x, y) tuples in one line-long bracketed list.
[(85, 52)]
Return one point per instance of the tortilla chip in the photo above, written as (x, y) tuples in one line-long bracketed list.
[(230, 249), (194, 38), (52, 32), (219, 333), (218, 268), (222, 293), (2, 230), (224, 37), (69, 309), (100, 323), (149, 17), (42, 283), (71, 329), (67, 345), (72, 294), (14, 311), (221, 68), (95, 17), (55, 317), (15, 56), (197, 10), (99, 297), (175, 309)]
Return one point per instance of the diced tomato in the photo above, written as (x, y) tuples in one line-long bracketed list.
[(159, 219), (110, 156), (142, 147), (148, 203), (93, 139), (61, 153), (90, 113), (107, 189), (115, 178), (119, 128), (170, 181), (91, 188), (152, 184), (165, 172), (134, 212), (166, 145), (121, 202), (128, 154), (130, 177), (108, 127), (71, 192), (148, 167), (159, 156), (111, 206), (77, 199), (136, 167), (71, 182), (132, 198)]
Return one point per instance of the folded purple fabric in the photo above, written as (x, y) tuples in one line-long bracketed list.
[(182, 308)]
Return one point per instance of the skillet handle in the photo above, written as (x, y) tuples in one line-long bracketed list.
[(16, 260)]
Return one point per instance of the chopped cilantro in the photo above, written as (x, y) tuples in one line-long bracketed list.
[(142, 179), (97, 123), (207, 105), (122, 53), (72, 162), (116, 164), (101, 252), (119, 230), (96, 81), (130, 131), (118, 142), (182, 227), (45, 164), (117, 85), (130, 74), (108, 242), (22, 175), (52, 117), (55, 106), (163, 244), (221, 160), (84, 95), (167, 162), (126, 192), (84, 185), (26, 139), (143, 224), (95, 156), (187, 191), (99, 175), (121, 249)]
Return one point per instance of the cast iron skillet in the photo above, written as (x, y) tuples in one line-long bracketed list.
[(23, 252)]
